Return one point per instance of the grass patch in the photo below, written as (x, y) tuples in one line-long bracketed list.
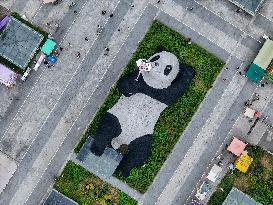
[(257, 182), (176, 117), (85, 188)]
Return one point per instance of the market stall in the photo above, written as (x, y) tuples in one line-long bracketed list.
[(214, 173), (48, 47), (236, 146), (7, 76), (262, 62), (243, 162), (250, 113)]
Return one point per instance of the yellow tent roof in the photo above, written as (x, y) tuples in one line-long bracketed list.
[(243, 162)]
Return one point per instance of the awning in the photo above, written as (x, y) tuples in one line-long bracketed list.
[(255, 73), (265, 55), (7, 76), (48, 47), (249, 112), (236, 146), (243, 162), (49, 1), (4, 22), (214, 173)]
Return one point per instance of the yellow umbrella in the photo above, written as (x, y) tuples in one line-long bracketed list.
[(243, 162)]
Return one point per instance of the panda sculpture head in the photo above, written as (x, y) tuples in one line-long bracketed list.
[(165, 68)]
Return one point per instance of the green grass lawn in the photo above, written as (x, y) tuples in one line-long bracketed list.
[(85, 188), (176, 117), (257, 182)]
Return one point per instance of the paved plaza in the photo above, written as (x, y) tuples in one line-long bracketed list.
[(42, 119)]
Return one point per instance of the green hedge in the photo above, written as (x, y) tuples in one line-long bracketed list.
[(176, 117), (85, 188)]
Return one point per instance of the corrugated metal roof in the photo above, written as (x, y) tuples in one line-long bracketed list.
[(236, 197), (18, 42), (250, 6)]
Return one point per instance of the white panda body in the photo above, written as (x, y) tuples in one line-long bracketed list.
[(137, 116)]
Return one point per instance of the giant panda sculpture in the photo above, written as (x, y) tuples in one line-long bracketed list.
[(132, 119)]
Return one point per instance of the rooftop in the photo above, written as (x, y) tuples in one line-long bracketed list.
[(236, 197), (18, 42), (250, 6)]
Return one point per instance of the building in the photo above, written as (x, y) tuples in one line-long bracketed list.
[(18, 43), (250, 6), (236, 197)]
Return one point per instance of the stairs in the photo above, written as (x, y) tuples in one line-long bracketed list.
[(105, 164)]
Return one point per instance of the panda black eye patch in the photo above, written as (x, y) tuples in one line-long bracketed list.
[(168, 69), (155, 58)]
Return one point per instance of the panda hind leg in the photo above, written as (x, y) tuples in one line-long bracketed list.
[(138, 153), (109, 128)]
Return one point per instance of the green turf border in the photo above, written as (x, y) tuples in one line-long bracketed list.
[(175, 118), (70, 183)]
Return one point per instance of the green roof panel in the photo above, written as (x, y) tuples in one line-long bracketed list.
[(48, 46), (255, 73)]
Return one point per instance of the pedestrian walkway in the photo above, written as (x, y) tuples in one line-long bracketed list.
[(66, 112), (61, 104)]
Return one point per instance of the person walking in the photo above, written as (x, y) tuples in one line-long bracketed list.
[(106, 51)]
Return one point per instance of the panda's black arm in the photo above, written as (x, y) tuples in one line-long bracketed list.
[(128, 85), (176, 89)]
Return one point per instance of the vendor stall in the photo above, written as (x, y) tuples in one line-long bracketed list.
[(48, 47), (48, 1), (214, 173), (243, 162), (236, 146), (249, 112), (7, 76), (40, 60), (261, 63)]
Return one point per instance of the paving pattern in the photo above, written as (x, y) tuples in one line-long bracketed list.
[(42, 119)]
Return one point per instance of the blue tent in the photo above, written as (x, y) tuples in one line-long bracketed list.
[(52, 59)]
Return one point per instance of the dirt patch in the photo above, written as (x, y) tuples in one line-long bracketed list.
[(200, 85), (241, 183), (100, 193), (267, 162)]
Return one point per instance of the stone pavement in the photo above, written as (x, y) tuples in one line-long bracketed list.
[(55, 112), (105, 164)]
